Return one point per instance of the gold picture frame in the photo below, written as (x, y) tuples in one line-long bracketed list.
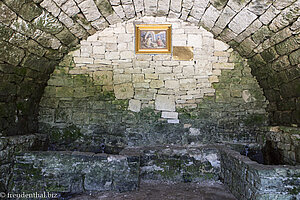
[(153, 38)]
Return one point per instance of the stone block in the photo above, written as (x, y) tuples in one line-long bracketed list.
[(124, 91), (126, 55), (269, 15), (112, 56), (194, 40), (138, 5), (188, 71), (166, 76), (225, 17), (176, 5), (122, 78), (210, 17), (99, 24), (220, 46), (141, 64), (48, 23), (103, 78), (98, 50), (172, 84), (165, 102), (129, 11), (151, 76), (134, 105), (7, 15), (170, 63), (187, 84), (169, 115), (82, 60), (70, 8), (223, 65), (213, 79), (150, 7), (141, 85), (143, 94), (10, 53), (61, 2), (163, 70), (90, 10), (173, 121), (241, 21), (125, 38), (119, 10), (199, 8), (156, 84), (162, 7)]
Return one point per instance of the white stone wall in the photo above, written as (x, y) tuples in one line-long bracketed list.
[(155, 81)]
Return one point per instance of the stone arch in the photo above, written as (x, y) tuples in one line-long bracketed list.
[(36, 34)]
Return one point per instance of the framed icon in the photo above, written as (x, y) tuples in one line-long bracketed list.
[(153, 38)]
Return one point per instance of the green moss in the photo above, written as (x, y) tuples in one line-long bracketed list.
[(106, 96), (56, 188), (66, 135), (255, 119), (104, 7)]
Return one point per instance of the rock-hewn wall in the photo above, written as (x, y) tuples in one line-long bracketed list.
[(9, 146), (248, 180), (286, 142), (36, 33), (213, 98)]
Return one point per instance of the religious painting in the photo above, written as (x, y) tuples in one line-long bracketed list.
[(152, 38)]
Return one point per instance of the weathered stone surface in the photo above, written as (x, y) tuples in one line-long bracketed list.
[(99, 24), (225, 17), (210, 17), (199, 8), (48, 40), (90, 10), (122, 78), (175, 5), (51, 7), (23, 27), (119, 11), (10, 53), (150, 7), (134, 105), (5, 32), (129, 11), (48, 23), (162, 7), (70, 8), (60, 2), (104, 7), (103, 78), (241, 21), (124, 91), (169, 115), (259, 7), (69, 179), (165, 102), (29, 11)]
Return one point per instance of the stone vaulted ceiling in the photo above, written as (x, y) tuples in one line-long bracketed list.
[(36, 34)]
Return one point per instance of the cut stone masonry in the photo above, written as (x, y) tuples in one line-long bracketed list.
[(108, 56)]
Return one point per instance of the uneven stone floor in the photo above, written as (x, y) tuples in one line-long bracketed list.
[(166, 191)]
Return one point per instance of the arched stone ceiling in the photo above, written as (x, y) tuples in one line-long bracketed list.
[(35, 34)]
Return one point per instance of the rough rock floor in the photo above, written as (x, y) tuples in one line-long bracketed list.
[(166, 191)]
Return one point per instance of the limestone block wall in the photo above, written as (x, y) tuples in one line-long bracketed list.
[(154, 81), (151, 99)]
